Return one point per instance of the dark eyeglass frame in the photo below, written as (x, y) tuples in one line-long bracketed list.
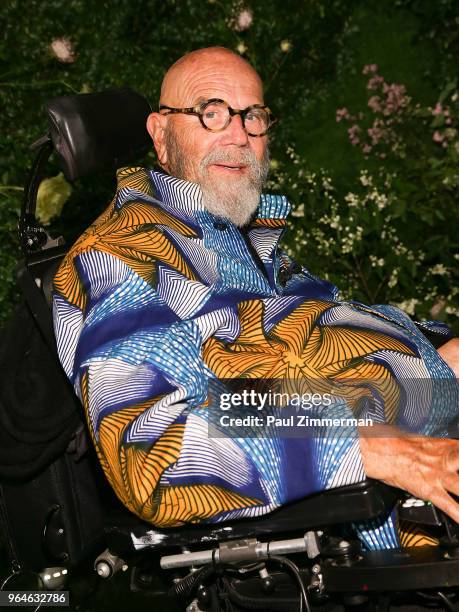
[(198, 110)]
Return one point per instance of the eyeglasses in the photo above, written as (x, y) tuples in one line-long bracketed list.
[(215, 115)]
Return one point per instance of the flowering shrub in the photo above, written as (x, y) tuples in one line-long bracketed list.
[(392, 128), (356, 242), (382, 240)]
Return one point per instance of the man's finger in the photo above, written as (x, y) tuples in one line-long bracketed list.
[(451, 483), (443, 501), (452, 460)]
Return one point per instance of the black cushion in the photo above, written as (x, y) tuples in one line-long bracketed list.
[(39, 411), (357, 502), (98, 130)]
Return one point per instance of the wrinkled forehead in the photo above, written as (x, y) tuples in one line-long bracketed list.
[(201, 78)]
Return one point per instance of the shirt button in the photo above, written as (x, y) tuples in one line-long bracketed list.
[(220, 225)]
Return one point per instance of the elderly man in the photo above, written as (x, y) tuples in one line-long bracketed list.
[(181, 282)]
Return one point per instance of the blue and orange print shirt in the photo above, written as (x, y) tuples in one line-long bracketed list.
[(158, 297)]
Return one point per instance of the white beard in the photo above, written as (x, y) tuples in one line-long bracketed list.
[(234, 204), (234, 200)]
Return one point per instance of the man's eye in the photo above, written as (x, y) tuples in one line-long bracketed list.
[(255, 117)]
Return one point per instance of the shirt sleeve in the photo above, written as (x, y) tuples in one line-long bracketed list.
[(437, 332)]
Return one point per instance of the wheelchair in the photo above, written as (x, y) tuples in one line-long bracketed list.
[(302, 556)]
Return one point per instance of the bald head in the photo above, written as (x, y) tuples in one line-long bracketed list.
[(228, 163), (203, 69)]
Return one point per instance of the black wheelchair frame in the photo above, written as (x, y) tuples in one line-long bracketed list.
[(297, 557)]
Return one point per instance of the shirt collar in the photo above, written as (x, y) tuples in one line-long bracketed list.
[(177, 193), (187, 196)]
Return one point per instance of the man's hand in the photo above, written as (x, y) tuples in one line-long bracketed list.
[(450, 353), (425, 467)]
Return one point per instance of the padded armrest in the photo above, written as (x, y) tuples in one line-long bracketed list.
[(357, 502), (97, 130)]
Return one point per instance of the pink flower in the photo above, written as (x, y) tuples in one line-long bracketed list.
[(370, 69), (375, 104), (438, 110), (63, 50), (342, 113), (377, 132), (375, 82), (243, 21), (353, 132), (396, 98), (366, 149), (437, 136)]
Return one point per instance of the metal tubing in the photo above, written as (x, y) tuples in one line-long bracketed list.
[(262, 549)]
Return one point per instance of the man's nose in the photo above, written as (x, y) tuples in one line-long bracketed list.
[(235, 133)]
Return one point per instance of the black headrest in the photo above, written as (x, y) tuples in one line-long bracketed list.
[(97, 130)]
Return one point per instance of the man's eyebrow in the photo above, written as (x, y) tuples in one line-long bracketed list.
[(201, 99)]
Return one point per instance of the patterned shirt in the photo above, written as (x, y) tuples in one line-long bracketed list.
[(159, 298)]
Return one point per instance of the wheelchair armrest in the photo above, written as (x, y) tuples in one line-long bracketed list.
[(357, 502)]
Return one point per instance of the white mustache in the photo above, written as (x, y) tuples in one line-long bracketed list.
[(245, 158)]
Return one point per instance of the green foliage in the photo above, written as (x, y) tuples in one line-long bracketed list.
[(52, 195), (397, 229), (310, 55)]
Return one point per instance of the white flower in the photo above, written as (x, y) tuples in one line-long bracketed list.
[(365, 179), (375, 262), (335, 223), (352, 199), (241, 48), (439, 269), (393, 278), (63, 50), (379, 198), (408, 306), (285, 46), (298, 211), (243, 21)]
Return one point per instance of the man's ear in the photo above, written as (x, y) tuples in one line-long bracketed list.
[(156, 125)]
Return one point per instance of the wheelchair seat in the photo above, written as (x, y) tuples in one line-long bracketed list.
[(358, 502)]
